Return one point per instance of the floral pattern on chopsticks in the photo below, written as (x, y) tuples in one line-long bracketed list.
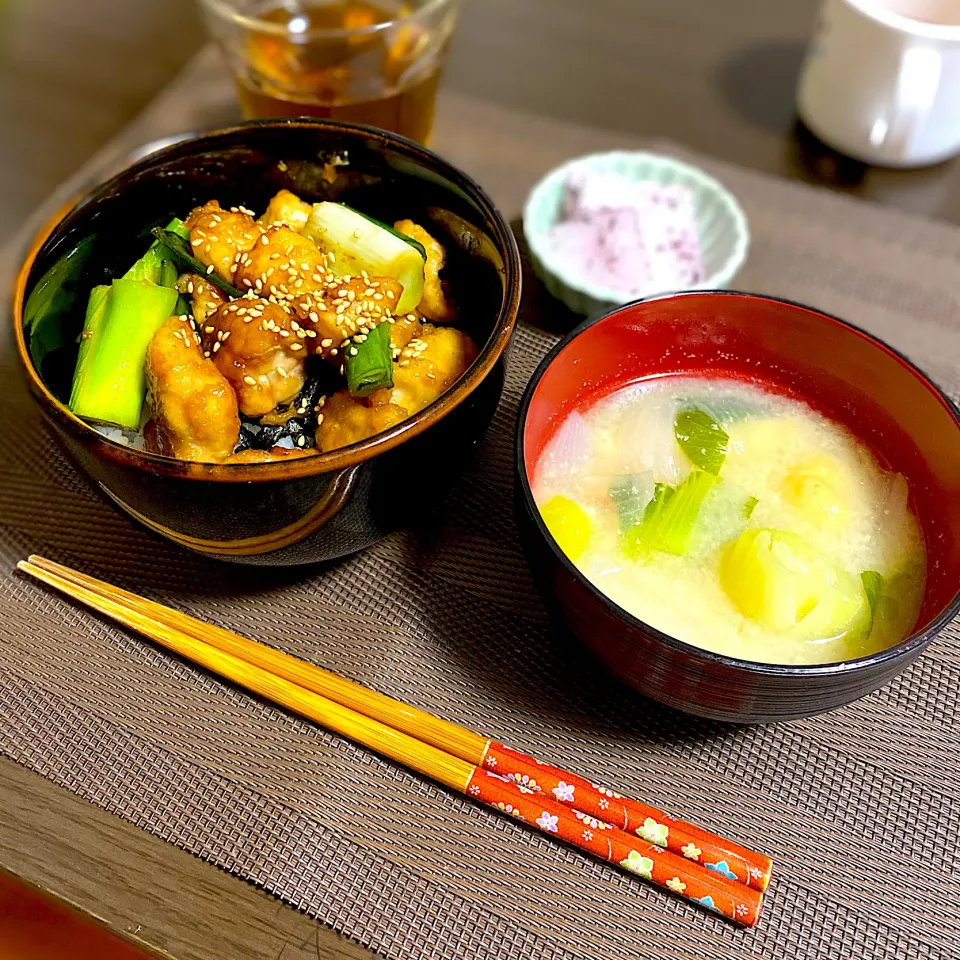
[(681, 876), (609, 807)]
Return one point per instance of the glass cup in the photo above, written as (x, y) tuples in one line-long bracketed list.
[(368, 61)]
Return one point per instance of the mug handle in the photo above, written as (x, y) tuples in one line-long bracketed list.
[(918, 80)]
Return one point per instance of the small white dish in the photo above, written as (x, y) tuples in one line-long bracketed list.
[(721, 226)]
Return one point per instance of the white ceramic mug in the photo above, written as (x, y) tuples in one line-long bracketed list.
[(881, 82)]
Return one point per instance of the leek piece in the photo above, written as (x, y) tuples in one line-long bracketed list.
[(782, 581), (168, 274), (569, 524), (872, 585), (51, 303), (369, 365), (671, 516), (898, 603), (702, 439), (150, 266), (109, 383), (723, 516), (358, 243), (749, 506), (179, 250), (632, 496)]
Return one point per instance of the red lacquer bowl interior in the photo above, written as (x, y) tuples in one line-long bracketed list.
[(848, 375)]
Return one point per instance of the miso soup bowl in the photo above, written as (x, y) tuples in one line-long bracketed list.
[(844, 372), (300, 510)]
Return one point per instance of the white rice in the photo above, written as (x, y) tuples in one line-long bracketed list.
[(129, 438)]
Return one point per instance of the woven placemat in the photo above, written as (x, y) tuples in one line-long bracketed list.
[(859, 808)]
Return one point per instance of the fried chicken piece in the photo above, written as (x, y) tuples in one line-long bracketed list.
[(283, 264), (402, 331), (205, 297), (218, 237), (345, 309), (434, 305), (193, 409), (286, 209), (349, 420), (270, 456), (260, 348), (429, 365)]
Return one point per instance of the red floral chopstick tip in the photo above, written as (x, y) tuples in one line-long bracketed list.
[(686, 879), (700, 846)]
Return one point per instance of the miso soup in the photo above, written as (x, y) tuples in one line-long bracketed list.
[(737, 520)]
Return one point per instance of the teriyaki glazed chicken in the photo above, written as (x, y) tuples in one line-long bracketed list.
[(243, 339)]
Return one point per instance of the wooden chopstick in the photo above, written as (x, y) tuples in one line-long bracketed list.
[(597, 802), (508, 795)]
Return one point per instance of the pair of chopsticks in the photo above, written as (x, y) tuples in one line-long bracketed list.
[(693, 863)]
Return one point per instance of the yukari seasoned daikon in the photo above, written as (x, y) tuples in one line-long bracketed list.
[(735, 519)]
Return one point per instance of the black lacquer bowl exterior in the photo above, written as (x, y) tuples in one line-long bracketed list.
[(848, 374), (321, 507)]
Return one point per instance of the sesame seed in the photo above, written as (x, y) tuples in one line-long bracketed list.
[(333, 352), (296, 346), (353, 351), (282, 166), (310, 333), (196, 242), (282, 372), (210, 269), (206, 249), (319, 419), (206, 354), (326, 342), (216, 347), (249, 380)]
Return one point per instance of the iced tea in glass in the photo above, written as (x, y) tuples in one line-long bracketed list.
[(368, 61)]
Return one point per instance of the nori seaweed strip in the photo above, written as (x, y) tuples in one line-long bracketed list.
[(256, 435)]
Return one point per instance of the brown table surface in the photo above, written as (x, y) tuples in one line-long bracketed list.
[(715, 76)]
